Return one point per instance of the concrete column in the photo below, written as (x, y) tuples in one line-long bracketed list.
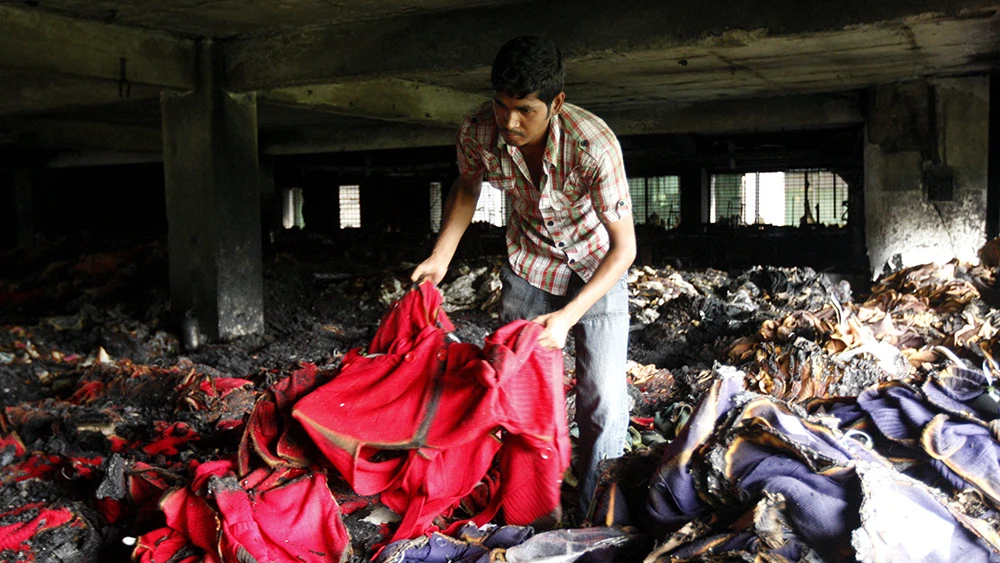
[(213, 190), (922, 135)]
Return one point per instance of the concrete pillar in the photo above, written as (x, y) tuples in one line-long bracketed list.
[(925, 171), (213, 203)]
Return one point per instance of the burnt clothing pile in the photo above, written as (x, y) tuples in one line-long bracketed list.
[(76, 467), (844, 413), (686, 321), (267, 515), (840, 349), (419, 419), (433, 421), (864, 444), (752, 476), (513, 544)]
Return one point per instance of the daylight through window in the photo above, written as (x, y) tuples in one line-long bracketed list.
[(435, 198), (492, 206), (350, 207), (656, 201), (790, 198)]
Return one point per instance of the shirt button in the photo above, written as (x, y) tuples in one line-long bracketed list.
[(442, 355), (562, 244), (550, 223), (584, 143), (621, 202), (572, 261)]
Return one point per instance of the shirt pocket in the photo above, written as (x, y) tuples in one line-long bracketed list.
[(493, 167), (572, 193), (495, 174)]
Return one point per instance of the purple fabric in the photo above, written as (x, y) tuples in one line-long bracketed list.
[(473, 545), (777, 452), (436, 548), (507, 536), (761, 448), (738, 544), (961, 451), (673, 498), (897, 410)]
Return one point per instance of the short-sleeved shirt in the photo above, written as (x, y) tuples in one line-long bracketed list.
[(556, 229)]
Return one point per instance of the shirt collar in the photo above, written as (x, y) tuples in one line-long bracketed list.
[(552, 142)]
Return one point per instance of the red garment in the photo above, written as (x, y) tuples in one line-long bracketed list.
[(39, 530), (17, 536), (419, 418), (270, 432), (269, 516)]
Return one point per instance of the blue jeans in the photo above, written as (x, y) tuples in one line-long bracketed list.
[(601, 338)]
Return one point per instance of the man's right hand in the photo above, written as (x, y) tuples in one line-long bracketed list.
[(432, 269)]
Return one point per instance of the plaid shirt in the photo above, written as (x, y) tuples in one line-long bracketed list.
[(557, 230)]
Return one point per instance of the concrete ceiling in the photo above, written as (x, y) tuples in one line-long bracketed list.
[(80, 75)]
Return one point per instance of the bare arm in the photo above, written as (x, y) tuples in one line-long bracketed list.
[(458, 211), (615, 263)]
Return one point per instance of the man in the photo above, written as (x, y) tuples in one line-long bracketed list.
[(570, 237)]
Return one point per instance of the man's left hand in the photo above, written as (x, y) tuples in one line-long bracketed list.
[(557, 326)]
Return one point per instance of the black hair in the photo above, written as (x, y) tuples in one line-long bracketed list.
[(529, 64)]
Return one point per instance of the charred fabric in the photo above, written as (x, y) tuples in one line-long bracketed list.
[(775, 416)]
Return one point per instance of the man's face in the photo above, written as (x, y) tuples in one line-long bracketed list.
[(524, 121)]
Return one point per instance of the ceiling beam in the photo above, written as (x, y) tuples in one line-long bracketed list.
[(734, 116), (467, 39), (53, 134), (710, 117), (39, 41), (34, 92), (386, 99), (376, 137)]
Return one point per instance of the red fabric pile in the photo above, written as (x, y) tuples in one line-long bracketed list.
[(268, 516), (420, 418)]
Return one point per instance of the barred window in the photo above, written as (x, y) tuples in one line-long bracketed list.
[(656, 200), (815, 196), (350, 207), (790, 198), (492, 206), (435, 197)]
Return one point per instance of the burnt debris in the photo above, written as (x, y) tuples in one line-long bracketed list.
[(106, 411)]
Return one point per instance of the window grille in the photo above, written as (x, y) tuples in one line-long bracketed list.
[(492, 207), (726, 202), (790, 198), (656, 200), (350, 207), (435, 197), (637, 191), (815, 197)]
